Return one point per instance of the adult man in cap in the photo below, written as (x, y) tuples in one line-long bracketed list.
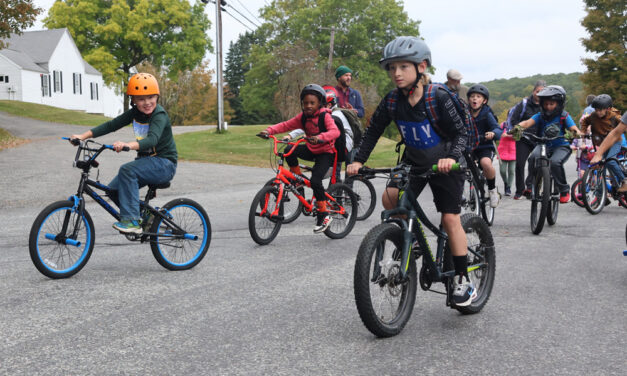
[(348, 97), (454, 82)]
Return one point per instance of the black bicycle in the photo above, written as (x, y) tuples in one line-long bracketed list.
[(386, 276), (62, 237), (475, 197)]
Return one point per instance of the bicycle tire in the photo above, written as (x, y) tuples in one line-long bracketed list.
[(470, 196), (263, 229), (382, 246), (554, 204), (595, 190), (540, 196), (365, 194), (181, 253), (576, 192), (342, 224), (480, 240), (53, 259), (487, 212), (292, 207)]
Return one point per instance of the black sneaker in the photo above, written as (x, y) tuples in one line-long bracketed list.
[(322, 222), (464, 291)]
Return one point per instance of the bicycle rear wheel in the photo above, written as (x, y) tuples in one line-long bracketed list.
[(470, 196), (479, 240), (576, 192), (365, 194), (186, 251), (487, 212), (51, 253), (595, 190), (384, 304), (540, 196), (554, 204), (292, 206), (343, 211), (262, 227)]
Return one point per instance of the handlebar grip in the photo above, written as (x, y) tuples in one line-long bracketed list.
[(126, 148), (262, 135), (73, 141), (455, 167)]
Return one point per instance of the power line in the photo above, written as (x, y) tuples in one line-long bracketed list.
[(236, 19), (249, 12), (238, 12)]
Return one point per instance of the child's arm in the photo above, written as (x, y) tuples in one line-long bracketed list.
[(286, 126), (377, 124), (494, 128), (332, 132)]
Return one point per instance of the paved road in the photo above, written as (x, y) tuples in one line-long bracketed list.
[(558, 305)]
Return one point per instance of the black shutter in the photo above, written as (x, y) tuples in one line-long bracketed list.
[(80, 83), (74, 83), (49, 89), (61, 80), (43, 92)]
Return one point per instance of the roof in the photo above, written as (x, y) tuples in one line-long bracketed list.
[(22, 60), (90, 70)]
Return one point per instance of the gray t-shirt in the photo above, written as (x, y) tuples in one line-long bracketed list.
[(623, 119)]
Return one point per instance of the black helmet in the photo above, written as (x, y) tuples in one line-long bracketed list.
[(316, 90), (555, 93), (479, 89), (411, 49), (601, 102)]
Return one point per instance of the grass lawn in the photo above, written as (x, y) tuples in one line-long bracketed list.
[(52, 114), (239, 146), (7, 140)]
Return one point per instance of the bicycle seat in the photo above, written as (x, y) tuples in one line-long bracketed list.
[(159, 186)]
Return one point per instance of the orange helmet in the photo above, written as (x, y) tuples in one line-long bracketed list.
[(142, 84)]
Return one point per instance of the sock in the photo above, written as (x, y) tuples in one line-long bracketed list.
[(322, 207), (491, 183), (461, 265), (295, 170)]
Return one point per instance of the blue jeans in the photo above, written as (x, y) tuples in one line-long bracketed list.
[(134, 175), (613, 165)]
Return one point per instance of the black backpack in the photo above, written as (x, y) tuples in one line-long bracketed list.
[(355, 123), (340, 142)]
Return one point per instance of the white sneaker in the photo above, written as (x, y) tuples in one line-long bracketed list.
[(494, 198), (464, 291)]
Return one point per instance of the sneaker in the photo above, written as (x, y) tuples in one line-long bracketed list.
[(128, 227), (322, 222), (494, 198), (564, 198), (623, 187), (464, 292), (527, 193), (518, 197), (508, 191)]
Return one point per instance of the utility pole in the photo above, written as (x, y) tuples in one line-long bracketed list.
[(329, 64), (219, 4)]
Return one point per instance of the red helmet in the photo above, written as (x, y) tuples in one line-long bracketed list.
[(331, 94)]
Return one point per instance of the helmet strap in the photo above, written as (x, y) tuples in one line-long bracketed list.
[(415, 85)]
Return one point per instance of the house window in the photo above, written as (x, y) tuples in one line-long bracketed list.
[(45, 85), (93, 86), (58, 81), (77, 80)]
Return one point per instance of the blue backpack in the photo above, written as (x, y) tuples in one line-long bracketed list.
[(432, 112), (510, 114)]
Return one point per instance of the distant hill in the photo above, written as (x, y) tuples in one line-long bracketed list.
[(505, 93)]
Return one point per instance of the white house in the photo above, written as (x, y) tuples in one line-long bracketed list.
[(46, 67)]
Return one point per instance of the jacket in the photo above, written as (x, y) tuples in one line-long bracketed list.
[(311, 129), (486, 122), (353, 97), (507, 146)]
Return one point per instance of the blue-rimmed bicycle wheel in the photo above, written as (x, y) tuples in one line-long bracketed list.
[(183, 238), (594, 190), (54, 248)]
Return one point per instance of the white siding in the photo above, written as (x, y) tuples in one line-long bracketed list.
[(8, 68), (96, 104), (113, 102), (32, 80), (67, 60)]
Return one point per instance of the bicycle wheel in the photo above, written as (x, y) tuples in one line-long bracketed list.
[(365, 194), (595, 190), (576, 192), (384, 305), (262, 228), (487, 211), (63, 258), (292, 206), (480, 240), (470, 197), (540, 196), (343, 211), (554, 205), (186, 252)]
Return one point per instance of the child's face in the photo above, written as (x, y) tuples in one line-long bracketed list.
[(601, 112), (403, 73), (549, 105), (311, 104), (146, 103), (476, 100)]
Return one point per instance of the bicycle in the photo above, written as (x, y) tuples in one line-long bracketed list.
[(386, 277), (62, 236), (599, 181), (475, 198), (581, 152), (266, 213)]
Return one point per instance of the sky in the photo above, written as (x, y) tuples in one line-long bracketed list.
[(483, 39)]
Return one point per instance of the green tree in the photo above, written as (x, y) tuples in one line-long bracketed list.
[(16, 15), (606, 22), (116, 35)]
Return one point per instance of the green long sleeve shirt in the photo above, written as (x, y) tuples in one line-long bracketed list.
[(153, 132)]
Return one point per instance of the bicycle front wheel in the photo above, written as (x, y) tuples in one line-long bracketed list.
[(343, 211), (383, 301), (576, 192), (594, 190), (184, 247), (540, 196), (262, 226), (55, 252), (488, 212), (365, 194), (554, 205)]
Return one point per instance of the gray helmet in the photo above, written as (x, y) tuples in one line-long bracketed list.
[(411, 49), (601, 102), (316, 90), (555, 93), (479, 89)]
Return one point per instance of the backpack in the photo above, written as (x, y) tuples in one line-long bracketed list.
[(510, 114), (355, 123), (340, 142)]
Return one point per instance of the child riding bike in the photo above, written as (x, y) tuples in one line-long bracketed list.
[(478, 96), (406, 59), (552, 121), (321, 132), (611, 139), (156, 151)]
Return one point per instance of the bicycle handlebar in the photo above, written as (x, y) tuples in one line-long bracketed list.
[(277, 141), (404, 167), (541, 139), (77, 142)]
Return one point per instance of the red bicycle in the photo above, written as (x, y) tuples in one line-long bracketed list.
[(266, 213)]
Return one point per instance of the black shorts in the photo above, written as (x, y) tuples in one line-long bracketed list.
[(446, 188), (477, 154)]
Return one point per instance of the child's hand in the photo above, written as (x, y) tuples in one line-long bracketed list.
[(287, 137), (353, 168), (489, 135), (313, 140), (262, 134)]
